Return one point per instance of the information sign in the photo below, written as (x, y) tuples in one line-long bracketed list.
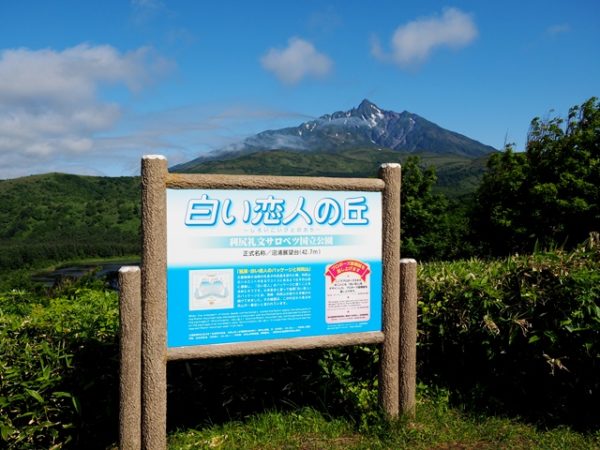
[(248, 265)]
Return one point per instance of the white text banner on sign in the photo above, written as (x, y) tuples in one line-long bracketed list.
[(258, 265)]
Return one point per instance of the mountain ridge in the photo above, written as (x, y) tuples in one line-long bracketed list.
[(366, 126)]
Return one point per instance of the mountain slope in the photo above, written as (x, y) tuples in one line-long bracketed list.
[(367, 127), (457, 175), (54, 216)]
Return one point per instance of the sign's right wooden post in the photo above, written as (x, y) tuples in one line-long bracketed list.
[(388, 368), (408, 337)]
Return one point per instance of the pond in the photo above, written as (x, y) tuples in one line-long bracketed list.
[(99, 270)]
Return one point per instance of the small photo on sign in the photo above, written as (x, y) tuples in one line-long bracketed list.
[(211, 289)]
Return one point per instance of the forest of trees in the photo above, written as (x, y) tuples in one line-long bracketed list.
[(546, 196), (59, 217)]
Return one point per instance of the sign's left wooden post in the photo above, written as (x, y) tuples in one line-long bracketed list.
[(130, 344), (154, 310)]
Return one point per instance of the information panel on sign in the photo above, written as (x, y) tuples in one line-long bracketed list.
[(254, 265)]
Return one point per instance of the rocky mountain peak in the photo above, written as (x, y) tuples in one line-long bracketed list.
[(367, 127)]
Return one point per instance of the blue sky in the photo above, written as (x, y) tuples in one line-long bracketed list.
[(89, 87)]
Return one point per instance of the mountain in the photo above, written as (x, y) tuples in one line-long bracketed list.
[(367, 127)]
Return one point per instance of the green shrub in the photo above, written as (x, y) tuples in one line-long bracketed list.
[(521, 334), (349, 383), (57, 366)]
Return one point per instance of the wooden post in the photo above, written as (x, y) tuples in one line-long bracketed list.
[(408, 336), (154, 291), (130, 345), (388, 370)]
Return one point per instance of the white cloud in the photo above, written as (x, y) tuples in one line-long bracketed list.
[(73, 75), (50, 101), (413, 42), (298, 60)]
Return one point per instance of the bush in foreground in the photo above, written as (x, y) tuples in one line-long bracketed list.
[(520, 334), (58, 366)]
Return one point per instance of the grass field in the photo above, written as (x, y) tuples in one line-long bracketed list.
[(436, 426)]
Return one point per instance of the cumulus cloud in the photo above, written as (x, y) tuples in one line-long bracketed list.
[(50, 104), (298, 60), (413, 42), (72, 75)]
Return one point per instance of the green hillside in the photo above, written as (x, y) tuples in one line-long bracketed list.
[(56, 216), (457, 175)]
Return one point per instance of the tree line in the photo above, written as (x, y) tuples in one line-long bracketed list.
[(545, 197)]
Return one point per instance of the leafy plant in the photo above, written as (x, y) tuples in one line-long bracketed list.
[(520, 334), (350, 374), (49, 393)]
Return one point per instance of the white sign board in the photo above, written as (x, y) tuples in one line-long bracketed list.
[(254, 264)]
